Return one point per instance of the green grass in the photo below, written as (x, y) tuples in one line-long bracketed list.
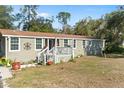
[(85, 72)]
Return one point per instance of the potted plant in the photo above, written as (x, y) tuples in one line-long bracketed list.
[(16, 65), (49, 62)]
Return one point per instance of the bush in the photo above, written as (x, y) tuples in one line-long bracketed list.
[(5, 62), (116, 50)]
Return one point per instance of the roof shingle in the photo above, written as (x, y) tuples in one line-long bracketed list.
[(38, 34)]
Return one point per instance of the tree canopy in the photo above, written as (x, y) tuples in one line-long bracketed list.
[(6, 17), (114, 29), (26, 15), (63, 18), (41, 24)]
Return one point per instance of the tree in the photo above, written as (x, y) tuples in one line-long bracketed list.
[(28, 13), (115, 29), (63, 18), (111, 28), (6, 17), (41, 24), (87, 27)]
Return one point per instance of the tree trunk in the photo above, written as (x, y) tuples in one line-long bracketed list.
[(64, 29)]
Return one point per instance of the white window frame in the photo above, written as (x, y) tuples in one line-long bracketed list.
[(41, 45), (75, 43), (64, 42), (19, 47)]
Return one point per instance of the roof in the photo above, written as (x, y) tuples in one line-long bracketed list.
[(7, 32)]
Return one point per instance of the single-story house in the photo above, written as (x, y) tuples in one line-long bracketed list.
[(25, 46)]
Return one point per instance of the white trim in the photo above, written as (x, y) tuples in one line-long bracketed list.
[(28, 36), (19, 45), (51, 37), (35, 44), (6, 47), (103, 47), (64, 42), (55, 50), (48, 45)]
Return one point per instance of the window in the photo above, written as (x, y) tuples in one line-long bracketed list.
[(84, 43), (14, 43), (74, 44), (65, 42), (38, 43), (90, 42), (57, 42)]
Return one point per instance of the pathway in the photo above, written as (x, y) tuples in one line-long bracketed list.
[(4, 74)]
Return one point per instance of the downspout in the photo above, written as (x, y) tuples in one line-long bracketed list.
[(6, 53)]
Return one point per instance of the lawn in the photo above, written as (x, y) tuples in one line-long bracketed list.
[(84, 72)]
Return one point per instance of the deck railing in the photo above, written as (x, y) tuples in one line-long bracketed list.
[(64, 50), (41, 54), (45, 55)]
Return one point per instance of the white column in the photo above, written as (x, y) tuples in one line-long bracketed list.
[(48, 45), (6, 44), (55, 51), (45, 55), (103, 44), (73, 48)]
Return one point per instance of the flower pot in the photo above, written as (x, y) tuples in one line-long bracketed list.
[(16, 65), (49, 63)]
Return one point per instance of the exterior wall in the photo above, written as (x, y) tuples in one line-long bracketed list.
[(61, 42), (2, 45), (24, 55), (93, 48), (27, 55), (63, 58), (78, 50)]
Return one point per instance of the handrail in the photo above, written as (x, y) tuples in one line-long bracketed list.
[(46, 54), (43, 50), (52, 49)]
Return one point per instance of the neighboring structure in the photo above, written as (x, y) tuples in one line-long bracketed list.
[(26, 46)]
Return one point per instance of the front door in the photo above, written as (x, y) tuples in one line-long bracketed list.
[(51, 43)]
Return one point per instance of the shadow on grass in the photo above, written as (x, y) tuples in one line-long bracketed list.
[(115, 55)]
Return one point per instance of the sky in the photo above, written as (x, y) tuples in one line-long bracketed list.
[(77, 12)]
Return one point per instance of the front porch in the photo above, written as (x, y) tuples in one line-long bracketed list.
[(54, 52)]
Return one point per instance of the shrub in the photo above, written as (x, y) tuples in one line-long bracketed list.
[(115, 49), (5, 62)]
